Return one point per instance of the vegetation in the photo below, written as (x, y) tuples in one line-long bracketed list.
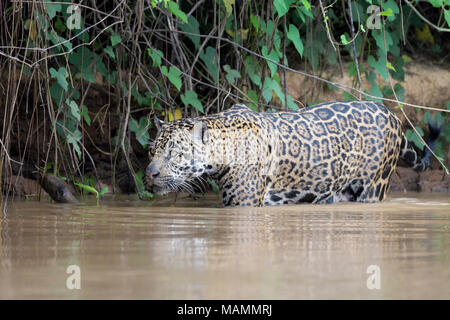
[(79, 84)]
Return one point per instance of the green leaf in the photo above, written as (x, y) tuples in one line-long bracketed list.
[(332, 87), (52, 8), (60, 76), (447, 16), (57, 93), (85, 114), (74, 110), (303, 11), (399, 91), (84, 60), (213, 185), (156, 56), (251, 71), (191, 98), (439, 119), (379, 37), (387, 13), (101, 67), (270, 86), (282, 6), (232, 74), (299, 13), (294, 36), (267, 90), (436, 3), (419, 130), (390, 66), (253, 95), (174, 9), (412, 136), (109, 50), (141, 130), (291, 104), (255, 21), (391, 4), (87, 188), (209, 58), (145, 195), (103, 191), (427, 117), (306, 4), (73, 138), (344, 40), (83, 37), (158, 2), (111, 78), (173, 74), (142, 99), (391, 9), (352, 69), (273, 56), (379, 65), (58, 40), (228, 6), (59, 25), (376, 91), (347, 96), (192, 27), (115, 39)]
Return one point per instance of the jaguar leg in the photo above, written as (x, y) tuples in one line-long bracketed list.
[(373, 193)]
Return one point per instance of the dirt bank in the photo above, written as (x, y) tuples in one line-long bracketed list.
[(405, 179), (425, 84)]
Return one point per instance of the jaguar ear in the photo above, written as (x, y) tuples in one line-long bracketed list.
[(158, 123), (200, 133)]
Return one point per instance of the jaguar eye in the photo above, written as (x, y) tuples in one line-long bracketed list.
[(173, 154)]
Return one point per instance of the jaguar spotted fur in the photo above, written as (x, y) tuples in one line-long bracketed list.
[(331, 152)]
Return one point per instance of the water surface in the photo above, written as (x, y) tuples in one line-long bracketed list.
[(188, 249)]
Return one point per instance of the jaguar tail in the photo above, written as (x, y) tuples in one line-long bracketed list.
[(409, 155)]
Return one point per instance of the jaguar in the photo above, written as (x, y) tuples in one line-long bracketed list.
[(327, 153)]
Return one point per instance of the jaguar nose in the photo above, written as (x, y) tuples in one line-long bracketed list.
[(152, 171)]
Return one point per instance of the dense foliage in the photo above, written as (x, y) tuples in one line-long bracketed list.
[(186, 58)]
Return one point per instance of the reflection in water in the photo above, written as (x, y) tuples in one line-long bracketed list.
[(131, 249)]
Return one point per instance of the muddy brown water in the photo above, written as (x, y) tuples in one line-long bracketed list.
[(187, 249)]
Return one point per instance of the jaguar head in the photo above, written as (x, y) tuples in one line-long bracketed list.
[(178, 156)]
